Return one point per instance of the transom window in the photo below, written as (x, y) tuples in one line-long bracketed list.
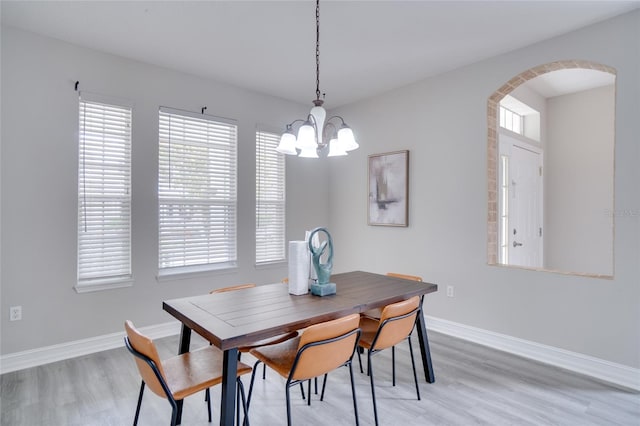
[(511, 120)]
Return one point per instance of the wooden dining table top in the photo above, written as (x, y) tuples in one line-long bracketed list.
[(236, 318)]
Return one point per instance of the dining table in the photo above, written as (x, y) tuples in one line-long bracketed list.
[(232, 319)]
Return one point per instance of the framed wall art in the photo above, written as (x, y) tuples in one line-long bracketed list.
[(389, 189)]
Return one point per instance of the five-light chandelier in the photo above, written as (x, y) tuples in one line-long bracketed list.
[(315, 134)]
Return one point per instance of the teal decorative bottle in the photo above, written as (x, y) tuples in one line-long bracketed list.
[(323, 270)]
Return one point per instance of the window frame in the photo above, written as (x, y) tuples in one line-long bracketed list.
[(508, 119), (275, 198), (110, 187), (207, 205)]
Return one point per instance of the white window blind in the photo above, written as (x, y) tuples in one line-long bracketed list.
[(270, 199), (104, 194), (197, 192)]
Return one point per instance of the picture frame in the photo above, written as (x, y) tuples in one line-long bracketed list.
[(388, 185)]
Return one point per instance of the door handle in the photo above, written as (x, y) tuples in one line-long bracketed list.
[(516, 244)]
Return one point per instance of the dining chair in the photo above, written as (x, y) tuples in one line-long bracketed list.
[(285, 280), (180, 376), (376, 313), (404, 276), (395, 325), (320, 348)]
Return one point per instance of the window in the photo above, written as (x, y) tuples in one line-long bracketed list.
[(197, 192), (270, 199), (504, 210), (511, 120), (104, 195)]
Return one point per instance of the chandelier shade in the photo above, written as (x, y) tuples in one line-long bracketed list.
[(346, 138), (317, 132), (306, 136), (287, 143), (335, 148), (309, 153)]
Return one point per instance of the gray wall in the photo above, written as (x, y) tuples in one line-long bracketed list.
[(39, 187), (578, 181), (442, 121)]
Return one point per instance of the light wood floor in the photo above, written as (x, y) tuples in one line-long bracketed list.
[(474, 385)]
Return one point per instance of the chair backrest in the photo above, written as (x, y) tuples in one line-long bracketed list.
[(396, 323), (232, 288), (325, 347), (145, 346), (404, 276)]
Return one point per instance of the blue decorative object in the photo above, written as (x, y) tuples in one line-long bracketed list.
[(323, 270)]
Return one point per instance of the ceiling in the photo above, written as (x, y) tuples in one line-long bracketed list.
[(366, 47), (562, 82)]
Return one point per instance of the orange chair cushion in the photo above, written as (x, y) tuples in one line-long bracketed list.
[(197, 370), (374, 313), (392, 332), (279, 356), (269, 341), (184, 374), (369, 329), (321, 359), (145, 346), (404, 276), (316, 360)]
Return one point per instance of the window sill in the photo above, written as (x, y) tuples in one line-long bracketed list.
[(186, 272), (103, 285), (271, 265)]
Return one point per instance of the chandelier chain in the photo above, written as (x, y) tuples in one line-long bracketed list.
[(318, 49), (317, 132)]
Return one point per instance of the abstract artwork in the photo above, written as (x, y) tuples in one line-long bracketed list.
[(389, 189)]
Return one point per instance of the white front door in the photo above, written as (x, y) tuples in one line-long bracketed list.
[(522, 220)]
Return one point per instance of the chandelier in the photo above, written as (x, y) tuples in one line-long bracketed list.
[(315, 133)]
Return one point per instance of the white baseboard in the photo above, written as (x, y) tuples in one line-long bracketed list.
[(617, 374), (35, 357)]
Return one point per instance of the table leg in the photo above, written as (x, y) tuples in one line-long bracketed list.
[(185, 342), (424, 347), (185, 339), (229, 374)]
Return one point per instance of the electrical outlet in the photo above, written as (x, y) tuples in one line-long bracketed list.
[(15, 313), (449, 291)]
